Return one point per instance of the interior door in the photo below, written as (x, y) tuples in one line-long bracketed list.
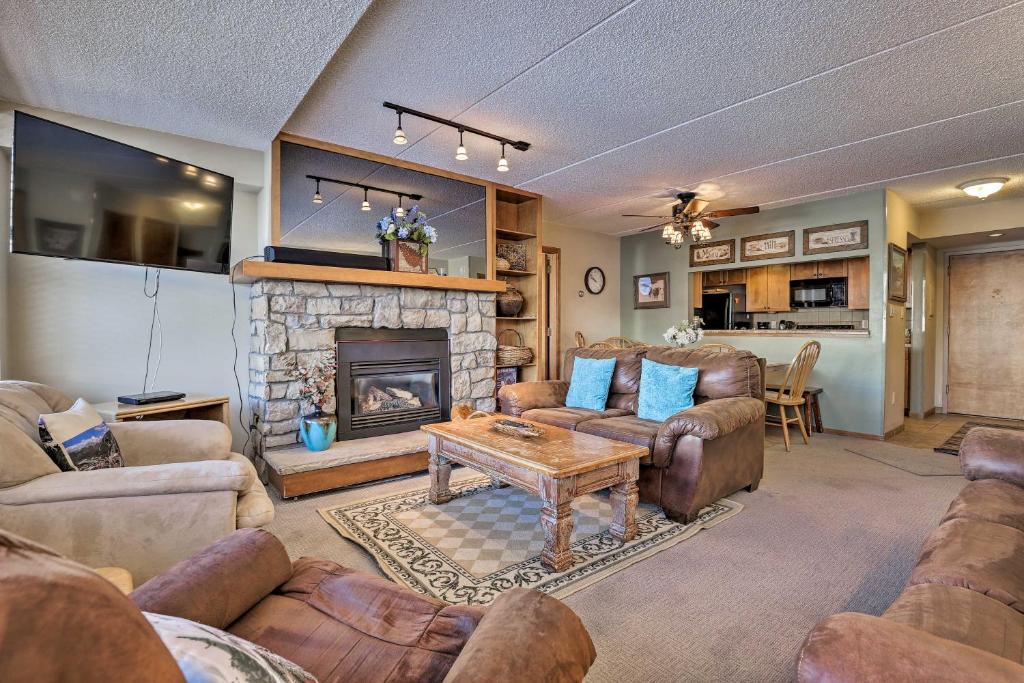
[(985, 367)]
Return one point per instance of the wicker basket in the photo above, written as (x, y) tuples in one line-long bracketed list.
[(513, 354)]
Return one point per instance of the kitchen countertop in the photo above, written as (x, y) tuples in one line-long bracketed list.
[(787, 333)]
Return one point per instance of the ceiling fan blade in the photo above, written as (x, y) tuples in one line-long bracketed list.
[(731, 212), (651, 227), (711, 225), (644, 215), (695, 206)]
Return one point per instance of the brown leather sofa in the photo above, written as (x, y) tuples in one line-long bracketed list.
[(60, 621), (697, 455), (961, 616)]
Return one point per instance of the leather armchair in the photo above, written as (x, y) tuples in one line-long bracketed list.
[(181, 489), (695, 456)]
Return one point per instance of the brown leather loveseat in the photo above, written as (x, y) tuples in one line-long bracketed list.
[(961, 616), (696, 456)]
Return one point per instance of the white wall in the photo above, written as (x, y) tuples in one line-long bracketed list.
[(84, 327), (595, 315), (981, 216)]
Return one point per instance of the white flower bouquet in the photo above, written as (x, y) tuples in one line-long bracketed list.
[(685, 332)]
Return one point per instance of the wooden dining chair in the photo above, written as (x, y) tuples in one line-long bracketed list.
[(717, 347), (581, 341), (791, 392)]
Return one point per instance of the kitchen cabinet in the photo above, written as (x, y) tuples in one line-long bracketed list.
[(714, 278), (697, 291), (858, 283), (815, 270), (768, 288), (736, 276)]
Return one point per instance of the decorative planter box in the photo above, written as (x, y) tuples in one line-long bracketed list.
[(405, 256)]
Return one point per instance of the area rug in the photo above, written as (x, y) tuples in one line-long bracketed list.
[(489, 540), (952, 444)]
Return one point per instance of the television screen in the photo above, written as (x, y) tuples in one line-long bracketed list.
[(82, 196)]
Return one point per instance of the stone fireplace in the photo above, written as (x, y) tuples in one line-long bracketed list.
[(298, 322)]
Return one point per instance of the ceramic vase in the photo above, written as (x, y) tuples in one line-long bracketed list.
[(318, 430)]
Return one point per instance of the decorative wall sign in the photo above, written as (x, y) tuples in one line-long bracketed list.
[(712, 253), (839, 237), (772, 245), (650, 291), (897, 273)]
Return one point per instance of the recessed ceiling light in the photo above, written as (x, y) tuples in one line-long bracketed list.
[(996, 234), (983, 187)]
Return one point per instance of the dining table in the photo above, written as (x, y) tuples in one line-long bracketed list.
[(775, 375)]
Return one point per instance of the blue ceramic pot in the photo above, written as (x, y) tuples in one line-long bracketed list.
[(318, 430)]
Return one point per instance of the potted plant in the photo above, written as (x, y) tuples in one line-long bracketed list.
[(406, 240), (316, 381), (685, 332)]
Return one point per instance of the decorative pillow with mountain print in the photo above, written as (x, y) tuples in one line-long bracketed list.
[(79, 439)]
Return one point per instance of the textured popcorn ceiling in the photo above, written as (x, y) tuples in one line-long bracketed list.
[(229, 72), (757, 103)]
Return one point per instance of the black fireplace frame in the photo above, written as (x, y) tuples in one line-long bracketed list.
[(366, 352)]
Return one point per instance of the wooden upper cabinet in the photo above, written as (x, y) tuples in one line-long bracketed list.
[(778, 288), (858, 283), (757, 289), (736, 276), (697, 291), (814, 270), (713, 278)]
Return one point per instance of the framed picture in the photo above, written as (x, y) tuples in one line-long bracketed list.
[(772, 245), (897, 273), (650, 291), (505, 376), (712, 253), (839, 237)]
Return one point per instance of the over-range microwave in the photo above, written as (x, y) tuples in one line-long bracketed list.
[(818, 293)]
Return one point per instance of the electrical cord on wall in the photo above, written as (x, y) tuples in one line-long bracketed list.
[(243, 405), (153, 323)]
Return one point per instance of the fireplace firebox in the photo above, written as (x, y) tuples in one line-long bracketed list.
[(391, 381)]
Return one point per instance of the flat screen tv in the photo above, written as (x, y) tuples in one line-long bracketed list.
[(82, 196)]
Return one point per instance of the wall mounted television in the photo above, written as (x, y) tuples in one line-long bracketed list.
[(81, 196)]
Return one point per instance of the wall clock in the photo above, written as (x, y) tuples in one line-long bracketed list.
[(594, 280)]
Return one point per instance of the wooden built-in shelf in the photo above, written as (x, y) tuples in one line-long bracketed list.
[(517, 317), (516, 273), (514, 235), (518, 365), (247, 272)]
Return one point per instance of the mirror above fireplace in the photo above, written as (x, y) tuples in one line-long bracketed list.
[(455, 208)]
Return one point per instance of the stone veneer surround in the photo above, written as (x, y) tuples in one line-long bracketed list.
[(295, 322)]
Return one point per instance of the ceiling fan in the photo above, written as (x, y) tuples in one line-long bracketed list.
[(689, 218)]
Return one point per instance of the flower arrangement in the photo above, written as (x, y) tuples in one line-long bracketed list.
[(316, 380), (412, 226), (685, 332)]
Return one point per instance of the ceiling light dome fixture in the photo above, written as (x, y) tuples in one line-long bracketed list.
[(983, 187), (400, 138), (460, 152), (503, 162), (366, 200), (317, 198)]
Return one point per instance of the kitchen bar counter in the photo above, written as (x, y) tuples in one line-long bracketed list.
[(787, 333)]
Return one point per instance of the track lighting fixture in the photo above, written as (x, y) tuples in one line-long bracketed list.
[(400, 138), (399, 211), (366, 200), (365, 206), (503, 162), (317, 198), (460, 152)]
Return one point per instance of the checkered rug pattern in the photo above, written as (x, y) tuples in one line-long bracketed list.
[(488, 539)]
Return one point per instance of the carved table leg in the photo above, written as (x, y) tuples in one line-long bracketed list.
[(440, 471), (556, 519), (624, 498)]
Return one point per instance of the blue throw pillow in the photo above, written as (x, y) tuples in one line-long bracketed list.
[(665, 390), (591, 380)]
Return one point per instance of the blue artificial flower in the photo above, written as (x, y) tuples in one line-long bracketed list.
[(431, 233), (403, 232)]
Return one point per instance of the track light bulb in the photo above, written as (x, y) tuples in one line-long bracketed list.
[(400, 138), (317, 199), (503, 162), (366, 200), (366, 206), (399, 212), (460, 152)]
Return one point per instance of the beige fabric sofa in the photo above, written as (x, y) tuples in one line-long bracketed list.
[(181, 489)]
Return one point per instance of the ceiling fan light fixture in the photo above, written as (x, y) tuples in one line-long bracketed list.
[(667, 231), (983, 187)]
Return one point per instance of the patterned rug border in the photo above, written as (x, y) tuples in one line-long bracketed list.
[(559, 585), (951, 446)]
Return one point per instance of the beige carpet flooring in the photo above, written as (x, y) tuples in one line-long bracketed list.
[(835, 526)]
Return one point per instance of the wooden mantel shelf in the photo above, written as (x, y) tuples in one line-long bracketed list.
[(247, 272)]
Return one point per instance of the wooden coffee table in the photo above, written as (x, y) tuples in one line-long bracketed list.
[(558, 466)]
